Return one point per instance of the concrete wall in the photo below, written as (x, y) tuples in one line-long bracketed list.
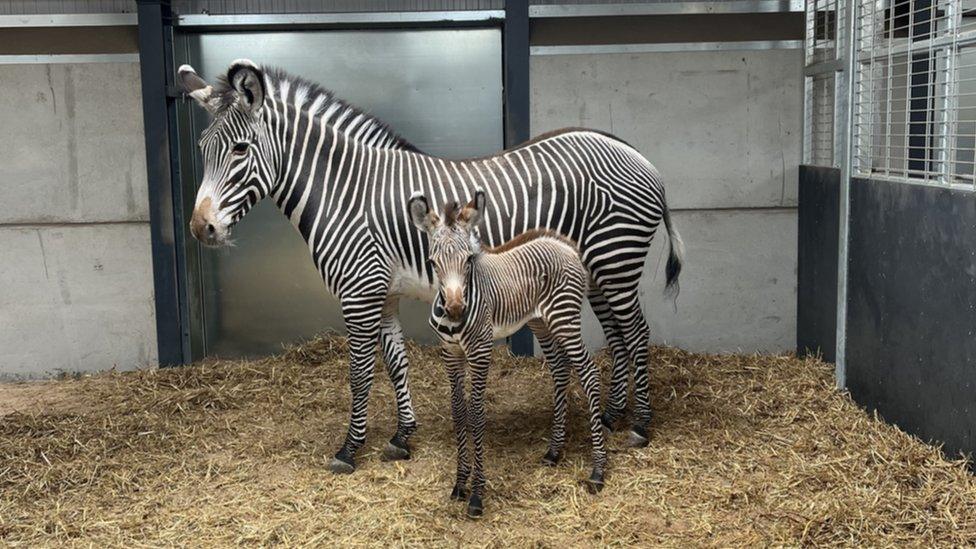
[(75, 261), (724, 130)]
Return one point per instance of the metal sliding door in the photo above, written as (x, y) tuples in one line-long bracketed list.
[(440, 88)]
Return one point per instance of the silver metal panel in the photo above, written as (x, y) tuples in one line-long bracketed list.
[(55, 59), (441, 89), (329, 6), (367, 18), (70, 20), (30, 7), (595, 9), (751, 45)]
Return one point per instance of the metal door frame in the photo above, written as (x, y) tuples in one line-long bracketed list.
[(162, 46)]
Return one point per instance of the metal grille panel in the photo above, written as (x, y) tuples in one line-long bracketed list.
[(821, 31), (915, 91), (819, 143)]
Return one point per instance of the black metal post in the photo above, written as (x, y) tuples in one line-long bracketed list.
[(515, 50), (155, 53)]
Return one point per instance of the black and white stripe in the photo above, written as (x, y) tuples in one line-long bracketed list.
[(537, 279), (343, 179)]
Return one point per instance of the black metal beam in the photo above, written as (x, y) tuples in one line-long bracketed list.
[(515, 52), (155, 52)]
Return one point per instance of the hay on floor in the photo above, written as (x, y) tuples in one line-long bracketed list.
[(745, 450)]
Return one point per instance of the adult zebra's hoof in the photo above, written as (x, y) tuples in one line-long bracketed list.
[(459, 493), (393, 452), (595, 483), (475, 508), (552, 458), (341, 467), (608, 418), (638, 437)]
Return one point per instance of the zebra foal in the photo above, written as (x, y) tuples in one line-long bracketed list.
[(536, 278)]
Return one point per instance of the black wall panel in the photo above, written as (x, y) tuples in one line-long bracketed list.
[(911, 317), (816, 294)]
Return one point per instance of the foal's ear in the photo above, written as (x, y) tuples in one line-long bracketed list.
[(196, 87), (475, 210), (247, 79), (420, 213)]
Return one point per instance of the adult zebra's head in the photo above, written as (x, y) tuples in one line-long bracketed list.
[(236, 149)]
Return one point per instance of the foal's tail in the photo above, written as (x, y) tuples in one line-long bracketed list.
[(676, 256)]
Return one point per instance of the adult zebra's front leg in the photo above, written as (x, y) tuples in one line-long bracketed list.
[(362, 315), (395, 358)]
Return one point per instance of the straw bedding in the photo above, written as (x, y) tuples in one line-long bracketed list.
[(745, 450)]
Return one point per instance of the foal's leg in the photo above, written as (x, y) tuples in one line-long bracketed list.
[(559, 368), (479, 358), (455, 363), (572, 345), (395, 358)]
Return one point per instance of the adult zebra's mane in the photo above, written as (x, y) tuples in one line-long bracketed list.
[(343, 116)]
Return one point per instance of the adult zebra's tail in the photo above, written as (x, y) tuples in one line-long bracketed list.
[(675, 256)]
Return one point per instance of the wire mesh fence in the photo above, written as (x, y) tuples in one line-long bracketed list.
[(914, 98)]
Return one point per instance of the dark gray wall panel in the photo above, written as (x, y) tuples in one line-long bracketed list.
[(911, 350), (816, 294)]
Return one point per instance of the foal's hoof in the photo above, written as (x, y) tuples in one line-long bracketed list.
[(392, 451), (340, 467), (552, 458), (595, 483), (638, 437), (459, 493), (475, 508)]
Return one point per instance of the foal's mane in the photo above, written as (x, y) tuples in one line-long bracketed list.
[(530, 236), (276, 78)]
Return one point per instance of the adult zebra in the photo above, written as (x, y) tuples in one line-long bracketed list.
[(343, 179)]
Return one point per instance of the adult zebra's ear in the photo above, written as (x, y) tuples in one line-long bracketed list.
[(247, 79), (196, 87), (475, 210), (422, 216)]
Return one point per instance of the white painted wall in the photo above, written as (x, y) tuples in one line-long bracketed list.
[(724, 130), (76, 286)]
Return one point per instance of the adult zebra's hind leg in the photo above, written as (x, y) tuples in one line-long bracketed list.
[(628, 315), (616, 404), (362, 316), (395, 358)]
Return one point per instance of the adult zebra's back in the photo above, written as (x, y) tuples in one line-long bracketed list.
[(343, 179)]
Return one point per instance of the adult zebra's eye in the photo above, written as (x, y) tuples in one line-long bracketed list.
[(240, 148)]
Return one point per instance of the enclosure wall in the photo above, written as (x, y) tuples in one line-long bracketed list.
[(77, 290), (723, 128), (911, 302)]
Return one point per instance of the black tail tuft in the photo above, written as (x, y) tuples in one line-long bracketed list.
[(675, 258)]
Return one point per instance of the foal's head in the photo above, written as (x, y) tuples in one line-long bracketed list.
[(454, 243)]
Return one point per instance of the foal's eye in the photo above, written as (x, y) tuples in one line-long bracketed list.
[(240, 148)]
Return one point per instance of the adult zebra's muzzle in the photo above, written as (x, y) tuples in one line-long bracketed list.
[(204, 225)]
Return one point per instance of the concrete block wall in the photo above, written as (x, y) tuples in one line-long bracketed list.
[(75, 260), (724, 129)]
